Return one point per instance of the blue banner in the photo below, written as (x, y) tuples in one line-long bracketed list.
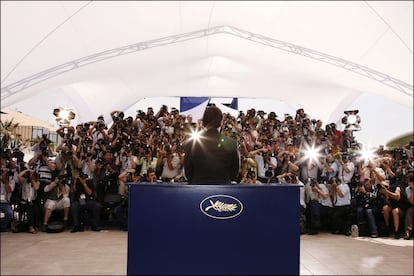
[(187, 103)]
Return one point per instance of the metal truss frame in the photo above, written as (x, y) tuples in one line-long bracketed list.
[(385, 79)]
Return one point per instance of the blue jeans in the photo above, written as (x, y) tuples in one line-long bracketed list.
[(369, 214), (91, 206), (7, 210), (319, 212)]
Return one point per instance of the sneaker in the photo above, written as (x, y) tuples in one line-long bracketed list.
[(75, 229), (312, 232), (95, 228), (407, 235), (44, 228), (397, 235), (348, 233), (32, 230), (374, 236)]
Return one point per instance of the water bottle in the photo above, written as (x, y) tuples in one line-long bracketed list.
[(354, 231)]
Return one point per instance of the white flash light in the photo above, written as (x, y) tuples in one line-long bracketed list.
[(367, 155), (352, 119), (195, 135), (312, 153)]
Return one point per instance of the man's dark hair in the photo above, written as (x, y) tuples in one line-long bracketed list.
[(212, 117)]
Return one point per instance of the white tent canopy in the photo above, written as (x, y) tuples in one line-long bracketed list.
[(100, 56)]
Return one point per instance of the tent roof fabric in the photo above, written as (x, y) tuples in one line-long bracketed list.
[(177, 59)]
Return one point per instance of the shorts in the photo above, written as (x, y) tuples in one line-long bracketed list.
[(59, 204)]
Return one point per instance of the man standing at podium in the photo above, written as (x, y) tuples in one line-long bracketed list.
[(210, 157)]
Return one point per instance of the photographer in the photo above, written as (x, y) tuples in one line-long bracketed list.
[(250, 178), (169, 163), (97, 131), (83, 199), (147, 161), (43, 145), (346, 169), (403, 169), (329, 167), (66, 162), (377, 175), (87, 162), (309, 169), (247, 164), (320, 206), (150, 176), (391, 196), (367, 206), (29, 185), (266, 164), (126, 161), (6, 188), (409, 213), (44, 167), (342, 207), (287, 163), (66, 132), (57, 198)]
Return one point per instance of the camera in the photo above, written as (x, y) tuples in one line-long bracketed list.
[(27, 175), (62, 179), (250, 174), (44, 150), (83, 175), (269, 173), (380, 186)]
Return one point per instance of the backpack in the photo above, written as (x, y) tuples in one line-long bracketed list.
[(56, 226)]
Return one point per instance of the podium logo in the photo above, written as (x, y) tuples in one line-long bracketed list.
[(221, 206)]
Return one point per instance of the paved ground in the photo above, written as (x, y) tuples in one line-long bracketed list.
[(105, 253)]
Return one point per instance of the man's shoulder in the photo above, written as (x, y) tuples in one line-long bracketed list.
[(227, 141), (227, 138)]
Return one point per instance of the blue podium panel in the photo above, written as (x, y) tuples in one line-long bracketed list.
[(181, 229)]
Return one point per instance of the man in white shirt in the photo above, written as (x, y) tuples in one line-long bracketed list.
[(320, 206), (342, 208), (346, 169)]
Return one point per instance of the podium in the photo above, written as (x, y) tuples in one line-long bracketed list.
[(179, 229)]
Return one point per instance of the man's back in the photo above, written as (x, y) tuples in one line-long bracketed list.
[(211, 159)]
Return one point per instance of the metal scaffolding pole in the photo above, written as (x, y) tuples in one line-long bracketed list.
[(387, 80)]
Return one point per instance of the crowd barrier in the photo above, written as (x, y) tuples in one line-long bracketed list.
[(178, 229)]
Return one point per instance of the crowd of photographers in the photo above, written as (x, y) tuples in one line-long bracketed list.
[(86, 179)]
